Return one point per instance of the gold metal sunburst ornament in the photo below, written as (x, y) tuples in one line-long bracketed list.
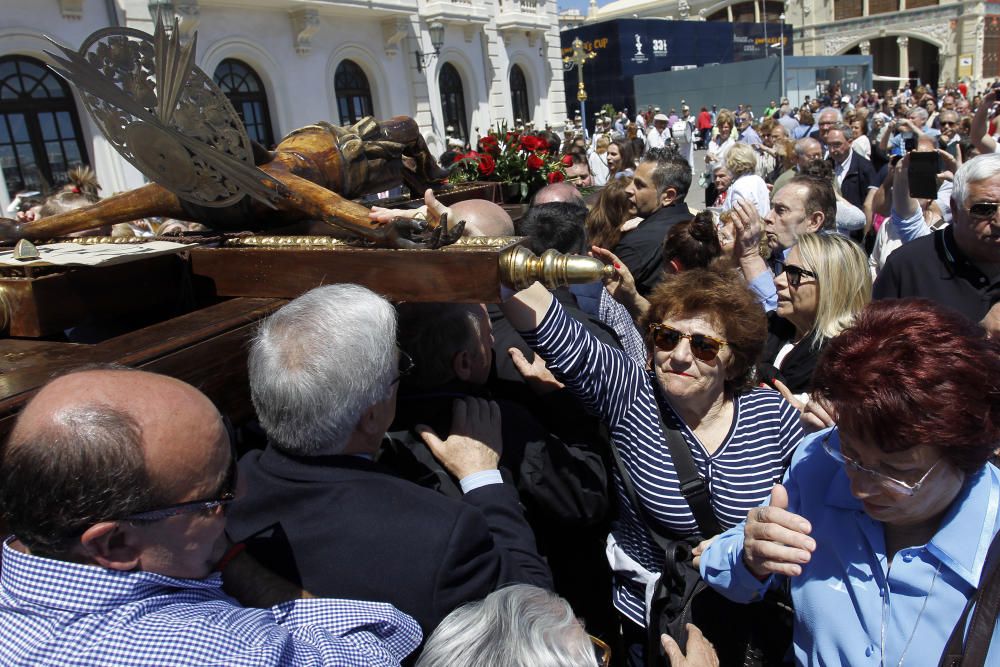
[(166, 116)]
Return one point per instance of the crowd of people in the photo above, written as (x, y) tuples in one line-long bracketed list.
[(797, 385)]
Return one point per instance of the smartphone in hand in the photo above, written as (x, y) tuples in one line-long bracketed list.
[(923, 175)]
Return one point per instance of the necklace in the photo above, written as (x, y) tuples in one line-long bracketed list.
[(916, 624)]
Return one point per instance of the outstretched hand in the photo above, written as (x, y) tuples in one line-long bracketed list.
[(431, 211), (776, 541), (475, 442), (700, 652), (815, 414), (621, 286), (535, 373)]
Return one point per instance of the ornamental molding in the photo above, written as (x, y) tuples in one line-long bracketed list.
[(305, 24), (71, 10), (394, 31)]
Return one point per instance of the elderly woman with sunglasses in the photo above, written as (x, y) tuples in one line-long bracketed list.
[(883, 522), (703, 330)]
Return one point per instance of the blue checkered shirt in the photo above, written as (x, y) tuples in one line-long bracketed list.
[(58, 613)]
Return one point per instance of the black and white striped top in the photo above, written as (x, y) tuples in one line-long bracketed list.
[(740, 473)]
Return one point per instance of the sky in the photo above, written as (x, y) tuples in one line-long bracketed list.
[(579, 4)]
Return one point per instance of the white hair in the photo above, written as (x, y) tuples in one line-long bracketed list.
[(318, 363), (977, 169), (835, 112), (517, 626)]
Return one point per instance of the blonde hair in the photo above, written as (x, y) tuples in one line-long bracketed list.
[(740, 160), (843, 278)]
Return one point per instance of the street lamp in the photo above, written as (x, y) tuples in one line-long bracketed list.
[(437, 41), (781, 45), (578, 60)]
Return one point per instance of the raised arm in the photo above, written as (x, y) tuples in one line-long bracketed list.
[(979, 133)]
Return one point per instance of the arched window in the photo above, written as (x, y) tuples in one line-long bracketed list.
[(453, 101), (40, 137), (519, 95), (354, 95), (246, 92)]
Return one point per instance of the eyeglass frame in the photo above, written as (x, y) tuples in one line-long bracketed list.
[(405, 365), (654, 327), (604, 660), (228, 495), (995, 205), (885, 481), (794, 277)]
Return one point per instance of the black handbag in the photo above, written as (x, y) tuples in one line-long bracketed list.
[(968, 649), (758, 634)]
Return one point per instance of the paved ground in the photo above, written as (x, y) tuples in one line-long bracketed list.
[(696, 195)]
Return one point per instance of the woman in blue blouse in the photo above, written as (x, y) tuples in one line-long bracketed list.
[(883, 522), (703, 330)]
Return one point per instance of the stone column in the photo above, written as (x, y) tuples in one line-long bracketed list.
[(865, 46), (904, 58)]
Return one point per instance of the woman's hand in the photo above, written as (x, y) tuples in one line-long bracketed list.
[(535, 373), (621, 286), (700, 549), (775, 540), (815, 414)]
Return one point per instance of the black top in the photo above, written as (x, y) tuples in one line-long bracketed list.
[(933, 267), (641, 249), (797, 368)]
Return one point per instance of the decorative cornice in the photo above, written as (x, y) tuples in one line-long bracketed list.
[(71, 10)]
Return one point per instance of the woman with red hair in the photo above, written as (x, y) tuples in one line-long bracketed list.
[(883, 522)]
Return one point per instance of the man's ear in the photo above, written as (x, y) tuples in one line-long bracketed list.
[(461, 365), (110, 544), (816, 221), (668, 197)]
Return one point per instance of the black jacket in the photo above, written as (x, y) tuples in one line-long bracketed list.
[(859, 178), (345, 527), (797, 370), (641, 249)]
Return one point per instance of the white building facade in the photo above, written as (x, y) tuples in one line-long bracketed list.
[(285, 64)]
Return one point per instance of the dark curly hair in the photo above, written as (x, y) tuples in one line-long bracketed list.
[(911, 372), (724, 299)]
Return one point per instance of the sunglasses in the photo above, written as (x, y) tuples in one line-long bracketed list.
[(984, 210), (406, 365), (794, 274), (948, 123), (207, 506), (602, 652), (703, 347)]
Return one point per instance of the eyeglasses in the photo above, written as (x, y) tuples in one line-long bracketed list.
[(602, 652), (795, 273), (226, 496), (948, 123), (406, 365), (888, 483), (984, 210), (703, 347)]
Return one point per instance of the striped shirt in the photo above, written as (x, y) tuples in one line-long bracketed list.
[(59, 613), (740, 473)]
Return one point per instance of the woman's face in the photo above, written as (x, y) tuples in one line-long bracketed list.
[(941, 481), (725, 128), (798, 305), (858, 127), (681, 374), (613, 157)]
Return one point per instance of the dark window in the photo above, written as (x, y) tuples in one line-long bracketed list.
[(246, 92), (519, 95), (914, 4), (354, 95), (847, 9), (40, 137), (453, 101), (882, 6)]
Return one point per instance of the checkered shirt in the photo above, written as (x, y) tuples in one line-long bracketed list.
[(58, 613)]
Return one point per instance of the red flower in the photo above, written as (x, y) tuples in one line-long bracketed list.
[(486, 165), (556, 177), (567, 160), (489, 144), (535, 162), (531, 143)]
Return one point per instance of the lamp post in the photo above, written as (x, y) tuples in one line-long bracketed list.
[(781, 45), (578, 60), (437, 41)]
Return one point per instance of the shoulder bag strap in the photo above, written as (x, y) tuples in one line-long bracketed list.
[(661, 539), (970, 648)]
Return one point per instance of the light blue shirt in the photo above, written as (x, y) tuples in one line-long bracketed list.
[(842, 592)]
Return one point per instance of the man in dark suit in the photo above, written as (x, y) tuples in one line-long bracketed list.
[(324, 371), (853, 172), (657, 193)]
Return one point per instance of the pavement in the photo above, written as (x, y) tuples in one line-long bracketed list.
[(696, 195)]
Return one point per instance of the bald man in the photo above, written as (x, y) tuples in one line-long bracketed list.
[(113, 482), (481, 217), (557, 192)]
